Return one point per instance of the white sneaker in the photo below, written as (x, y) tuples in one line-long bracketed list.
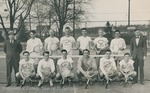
[(51, 82), (40, 83)]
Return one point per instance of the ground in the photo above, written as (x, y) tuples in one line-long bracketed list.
[(96, 88)]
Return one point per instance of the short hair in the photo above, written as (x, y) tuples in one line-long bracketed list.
[(32, 32), (64, 50), (45, 52), (84, 29), (86, 50), (137, 29), (126, 54), (117, 31), (108, 50), (67, 27), (25, 52)]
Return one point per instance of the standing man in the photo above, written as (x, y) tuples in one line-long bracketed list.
[(66, 42), (12, 49), (138, 50), (83, 41)]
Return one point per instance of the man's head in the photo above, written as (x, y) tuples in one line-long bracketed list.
[(86, 52), (26, 55), (101, 32), (11, 35), (137, 32), (51, 33), (46, 55), (32, 34), (64, 53), (117, 34), (126, 57), (84, 31), (108, 53), (67, 31)]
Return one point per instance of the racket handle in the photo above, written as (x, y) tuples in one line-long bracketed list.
[(87, 83)]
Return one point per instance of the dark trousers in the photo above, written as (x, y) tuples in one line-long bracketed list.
[(139, 64), (9, 66)]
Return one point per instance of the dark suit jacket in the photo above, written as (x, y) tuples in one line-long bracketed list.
[(12, 51), (139, 50)]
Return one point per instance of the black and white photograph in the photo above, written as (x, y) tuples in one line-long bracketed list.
[(74, 46)]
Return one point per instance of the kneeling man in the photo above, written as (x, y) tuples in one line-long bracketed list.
[(108, 69), (65, 68), (84, 63), (46, 69), (127, 68), (26, 68)]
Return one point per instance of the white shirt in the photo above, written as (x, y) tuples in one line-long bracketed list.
[(107, 64), (117, 43), (137, 40), (31, 43), (68, 60), (67, 42), (45, 65), (126, 66), (27, 66), (84, 42), (101, 42), (49, 41)]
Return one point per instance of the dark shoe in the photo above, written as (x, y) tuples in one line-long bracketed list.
[(8, 85), (142, 83), (134, 82), (80, 83)]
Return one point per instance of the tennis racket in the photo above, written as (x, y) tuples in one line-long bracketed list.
[(46, 72), (91, 47), (66, 70), (53, 48), (74, 48), (38, 49), (126, 80), (90, 73), (27, 70)]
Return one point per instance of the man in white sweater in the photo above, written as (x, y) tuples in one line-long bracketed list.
[(46, 69)]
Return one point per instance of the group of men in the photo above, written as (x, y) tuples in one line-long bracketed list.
[(45, 69)]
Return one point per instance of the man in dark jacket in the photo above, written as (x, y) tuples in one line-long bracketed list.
[(138, 50), (12, 49)]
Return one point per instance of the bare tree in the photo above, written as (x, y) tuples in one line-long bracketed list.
[(63, 11), (16, 8)]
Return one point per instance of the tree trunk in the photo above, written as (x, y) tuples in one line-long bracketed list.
[(61, 30)]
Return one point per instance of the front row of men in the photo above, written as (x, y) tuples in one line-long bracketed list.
[(46, 70)]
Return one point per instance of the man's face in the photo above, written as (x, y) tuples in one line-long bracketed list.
[(64, 54), (100, 33), (117, 34), (86, 53), (126, 58), (67, 31), (107, 54), (51, 33), (32, 35), (137, 33), (46, 56), (11, 36), (84, 32), (26, 56)]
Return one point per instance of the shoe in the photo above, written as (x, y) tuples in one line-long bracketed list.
[(142, 83), (134, 82), (8, 85), (40, 84), (80, 83)]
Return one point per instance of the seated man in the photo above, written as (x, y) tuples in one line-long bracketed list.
[(84, 63), (65, 68), (107, 66), (26, 68), (127, 68), (46, 69)]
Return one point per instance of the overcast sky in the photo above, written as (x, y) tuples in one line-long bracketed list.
[(113, 10), (118, 10)]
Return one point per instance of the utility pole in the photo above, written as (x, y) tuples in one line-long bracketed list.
[(74, 18), (129, 12)]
